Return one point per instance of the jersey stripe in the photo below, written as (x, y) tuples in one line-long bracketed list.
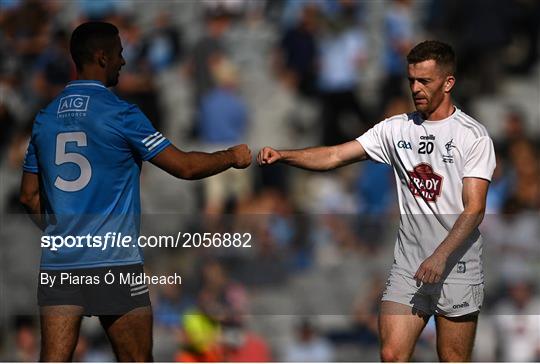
[(139, 293), (148, 137), (152, 140), (468, 126), (156, 143), (482, 129), (473, 126)]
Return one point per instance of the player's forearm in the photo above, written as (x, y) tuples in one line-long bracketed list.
[(314, 159), (203, 165), (464, 226), (32, 205), (197, 165)]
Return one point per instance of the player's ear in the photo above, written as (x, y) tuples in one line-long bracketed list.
[(449, 83), (101, 58)]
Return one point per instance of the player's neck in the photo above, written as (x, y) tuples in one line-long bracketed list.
[(90, 73), (445, 109)]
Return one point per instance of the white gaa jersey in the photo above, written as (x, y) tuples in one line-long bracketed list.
[(430, 160)]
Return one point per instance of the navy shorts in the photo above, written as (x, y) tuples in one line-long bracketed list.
[(94, 289)]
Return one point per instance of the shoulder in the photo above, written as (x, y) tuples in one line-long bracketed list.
[(398, 120), (470, 126), (111, 102), (115, 101)]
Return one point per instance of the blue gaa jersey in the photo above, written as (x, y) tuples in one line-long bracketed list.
[(87, 147)]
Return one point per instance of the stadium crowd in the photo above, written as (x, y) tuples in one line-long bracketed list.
[(290, 73)]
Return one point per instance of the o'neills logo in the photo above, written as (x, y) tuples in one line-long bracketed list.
[(425, 183)]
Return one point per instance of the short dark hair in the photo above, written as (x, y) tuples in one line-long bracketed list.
[(88, 38), (440, 52)]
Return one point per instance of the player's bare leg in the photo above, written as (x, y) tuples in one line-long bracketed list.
[(130, 334), (455, 337), (399, 329), (59, 332)]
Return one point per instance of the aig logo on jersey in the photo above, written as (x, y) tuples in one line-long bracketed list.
[(404, 145), (425, 183), (73, 106)]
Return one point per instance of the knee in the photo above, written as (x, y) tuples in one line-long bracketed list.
[(135, 357), (391, 353), (449, 354)]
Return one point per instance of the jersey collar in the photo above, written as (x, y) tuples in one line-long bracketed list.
[(91, 83)]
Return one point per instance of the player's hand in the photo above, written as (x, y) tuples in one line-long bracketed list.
[(241, 156), (431, 269), (268, 155)]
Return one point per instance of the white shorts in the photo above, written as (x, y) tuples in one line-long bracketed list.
[(444, 299)]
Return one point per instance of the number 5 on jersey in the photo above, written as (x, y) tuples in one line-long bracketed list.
[(61, 157)]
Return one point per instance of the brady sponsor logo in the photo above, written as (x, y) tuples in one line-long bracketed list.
[(73, 105), (404, 145), (427, 137), (461, 305), (461, 267), (425, 183)]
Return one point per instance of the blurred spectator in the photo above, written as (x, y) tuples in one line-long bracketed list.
[(54, 68), (376, 197), (292, 11), (514, 129), (517, 321), (8, 125), (514, 233), (200, 340), (526, 187), (239, 344), (137, 83), (234, 8), (504, 181), (297, 58), (479, 35), (343, 50), (499, 188), (87, 351), (223, 112), (220, 297), (26, 340), (223, 121), (398, 40), (207, 340), (522, 52), (91, 10), (375, 192), (26, 29), (221, 306), (15, 157), (207, 52), (169, 306), (308, 346), (162, 46), (364, 327)]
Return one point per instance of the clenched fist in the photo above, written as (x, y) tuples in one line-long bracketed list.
[(241, 156), (268, 155)]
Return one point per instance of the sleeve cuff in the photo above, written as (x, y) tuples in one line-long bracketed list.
[(164, 144), (30, 169), (477, 175)]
